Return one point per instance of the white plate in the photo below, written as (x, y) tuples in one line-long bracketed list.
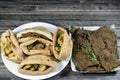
[(12, 67)]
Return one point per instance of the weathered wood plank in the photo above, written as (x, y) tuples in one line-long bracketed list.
[(65, 74), (65, 23), (81, 8), (6, 75), (62, 13), (60, 9), (82, 17), (60, 1)]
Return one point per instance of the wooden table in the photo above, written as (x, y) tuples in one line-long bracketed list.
[(61, 13)]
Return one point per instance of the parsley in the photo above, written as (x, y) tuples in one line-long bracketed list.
[(89, 51), (60, 32), (33, 44), (71, 27), (30, 46), (58, 47), (80, 46), (7, 46)]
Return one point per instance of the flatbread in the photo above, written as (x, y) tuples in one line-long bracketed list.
[(36, 30), (44, 51), (37, 60), (66, 46), (10, 47)]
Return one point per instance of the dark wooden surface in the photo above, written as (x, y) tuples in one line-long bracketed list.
[(62, 13)]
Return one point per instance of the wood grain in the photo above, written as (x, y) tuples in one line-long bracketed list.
[(61, 13)]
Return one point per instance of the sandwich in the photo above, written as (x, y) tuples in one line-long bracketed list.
[(10, 47), (62, 44), (37, 65), (37, 46), (36, 32)]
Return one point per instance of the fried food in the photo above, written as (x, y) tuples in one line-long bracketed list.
[(95, 50)]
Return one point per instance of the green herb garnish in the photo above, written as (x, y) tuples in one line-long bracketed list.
[(89, 51), (92, 55), (33, 44), (71, 27), (7, 46), (80, 46), (58, 47), (30, 46), (60, 32), (32, 68)]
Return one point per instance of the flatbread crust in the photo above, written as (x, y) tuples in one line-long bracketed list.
[(37, 30), (66, 46), (9, 39), (37, 59), (21, 40)]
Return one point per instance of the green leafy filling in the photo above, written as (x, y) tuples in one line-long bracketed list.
[(60, 33), (33, 44), (59, 41), (58, 47), (34, 67), (7, 46)]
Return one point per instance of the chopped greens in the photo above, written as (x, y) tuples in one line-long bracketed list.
[(30, 46), (80, 46), (7, 46), (89, 50), (33, 44), (34, 67), (71, 27), (92, 54), (58, 47), (60, 33), (59, 41)]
